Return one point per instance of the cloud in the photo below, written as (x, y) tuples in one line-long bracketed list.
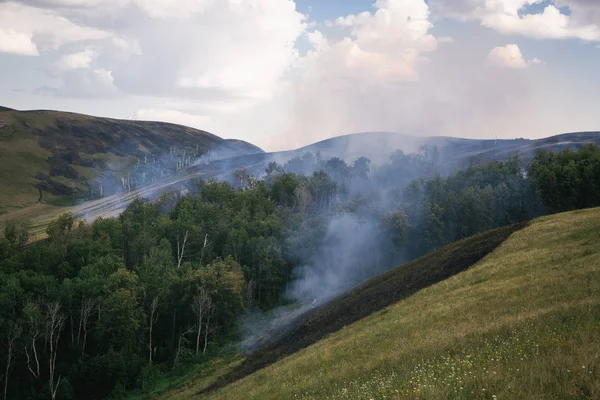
[(512, 17), (383, 47), (204, 50), (84, 83), (341, 80), (44, 29), (15, 42), (386, 73), (508, 56), (583, 11), (173, 116), (225, 50), (78, 60)]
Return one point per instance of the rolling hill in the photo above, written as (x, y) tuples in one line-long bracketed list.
[(55, 162), (522, 322), (450, 153), (60, 158)]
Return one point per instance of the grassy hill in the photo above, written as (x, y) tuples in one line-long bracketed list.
[(65, 157), (523, 322)]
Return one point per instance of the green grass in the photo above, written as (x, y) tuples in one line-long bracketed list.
[(201, 376), (20, 157), (522, 323)]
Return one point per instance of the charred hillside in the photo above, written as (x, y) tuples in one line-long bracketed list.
[(368, 298)]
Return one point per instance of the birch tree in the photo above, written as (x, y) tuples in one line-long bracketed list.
[(55, 321), (13, 334), (181, 249), (199, 305), (210, 309), (153, 319), (87, 307), (33, 315)]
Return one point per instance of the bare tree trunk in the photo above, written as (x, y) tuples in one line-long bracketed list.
[(13, 335), (199, 305), (181, 251), (72, 328), (210, 310), (153, 319), (181, 339), (86, 310), (80, 321), (55, 323), (36, 373), (206, 243)]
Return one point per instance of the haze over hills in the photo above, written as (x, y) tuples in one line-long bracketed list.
[(99, 164)]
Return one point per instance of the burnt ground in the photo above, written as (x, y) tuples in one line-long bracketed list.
[(372, 296)]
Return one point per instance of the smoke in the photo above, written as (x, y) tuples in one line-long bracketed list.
[(347, 254)]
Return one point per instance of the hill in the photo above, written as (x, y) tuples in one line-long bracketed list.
[(449, 154), (59, 158), (520, 323)]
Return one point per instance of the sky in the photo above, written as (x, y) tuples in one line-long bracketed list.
[(282, 74)]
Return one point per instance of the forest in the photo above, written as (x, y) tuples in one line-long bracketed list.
[(101, 308)]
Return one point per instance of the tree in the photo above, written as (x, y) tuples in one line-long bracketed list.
[(200, 304), (152, 320), (87, 308), (34, 319), (210, 309), (14, 333), (55, 321)]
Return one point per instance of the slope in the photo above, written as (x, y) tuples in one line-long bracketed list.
[(524, 322), (54, 157)]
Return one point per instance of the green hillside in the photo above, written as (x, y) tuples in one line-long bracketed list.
[(523, 322), (64, 157)]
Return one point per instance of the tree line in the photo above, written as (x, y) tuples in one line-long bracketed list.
[(100, 308)]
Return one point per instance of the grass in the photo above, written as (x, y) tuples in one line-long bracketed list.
[(368, 298), (198, 376), (523, 322), (20, 158)]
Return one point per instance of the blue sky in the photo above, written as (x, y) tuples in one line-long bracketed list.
[(283, 73)]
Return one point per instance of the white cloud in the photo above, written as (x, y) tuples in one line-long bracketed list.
[(508, 56), (224, 50), (173, 116), (45, 29), (509, 17), (78, 60), (84, 83), (15, 42), (384, 47), (341, 81), (250, 54)]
